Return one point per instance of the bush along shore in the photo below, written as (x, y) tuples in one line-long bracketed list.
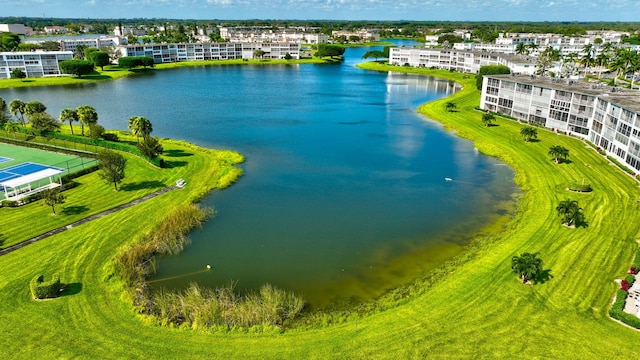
[(196, 307)]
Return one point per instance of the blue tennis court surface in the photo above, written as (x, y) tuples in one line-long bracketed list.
[(22, 170), (4, 159)]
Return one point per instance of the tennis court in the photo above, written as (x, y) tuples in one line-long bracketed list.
[(24, 171)]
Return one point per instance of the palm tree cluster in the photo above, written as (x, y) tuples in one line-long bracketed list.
[(140, 127), (528, 266), (559, 152), (605, 57), (570, 212), (488, 118), (529, 133)]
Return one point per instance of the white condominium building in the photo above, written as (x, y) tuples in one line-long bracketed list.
[(363, 34), (33, 63), (163, 53), (458, 60), (607, 116)]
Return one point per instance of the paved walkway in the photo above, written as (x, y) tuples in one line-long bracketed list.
[(85, 220)]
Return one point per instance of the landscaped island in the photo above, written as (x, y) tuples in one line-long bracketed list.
[(476, 308)]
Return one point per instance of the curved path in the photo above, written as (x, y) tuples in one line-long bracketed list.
[(85, 220)]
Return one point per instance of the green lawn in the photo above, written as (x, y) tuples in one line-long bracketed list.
[(478, 310)]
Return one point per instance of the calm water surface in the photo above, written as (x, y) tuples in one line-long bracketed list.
[(344, 192)]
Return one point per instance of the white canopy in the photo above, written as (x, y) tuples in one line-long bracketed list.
[(42, 174)]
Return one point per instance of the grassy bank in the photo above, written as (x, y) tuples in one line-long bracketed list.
[(479, 310)]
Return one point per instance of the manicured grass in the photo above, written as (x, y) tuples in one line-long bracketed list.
[(478, 310), (93, 195)]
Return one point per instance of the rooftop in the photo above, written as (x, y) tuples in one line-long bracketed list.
[(627, 98)]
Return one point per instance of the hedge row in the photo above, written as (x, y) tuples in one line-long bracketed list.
[(41, 289), (621, 166), (109, 144), (42, 146)]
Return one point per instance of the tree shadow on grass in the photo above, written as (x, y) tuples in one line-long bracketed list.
[(582, 224), (174, 164), (543, 277), (74, 210), (2, 240), (534, 140), (176, 153), (71, 289), (96, 77), (153, 184)]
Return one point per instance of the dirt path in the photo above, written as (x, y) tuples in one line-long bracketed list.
[(85, 220)]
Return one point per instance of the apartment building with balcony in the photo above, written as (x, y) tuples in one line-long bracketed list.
[(607, 116), (164, 53), (33, 63), (458, 60)]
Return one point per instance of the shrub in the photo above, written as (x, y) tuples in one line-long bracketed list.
[(624, 285), (633, 270), (580, 187), (621, 166), (41, 289)]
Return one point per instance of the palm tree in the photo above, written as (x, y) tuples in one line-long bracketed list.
[(601, 61), (528, 266), (587, 61), (571, 58), (521, 49), (140, 126), (34, 107), (451, 106), (558, 152), (488, 118), (617, 65), (532, 47), (69, 115), (634, 66), (529, 133), (570, 212), (87, 115), (12, 127), (17, 107)]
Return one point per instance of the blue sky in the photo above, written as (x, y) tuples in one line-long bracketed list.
[(455, 10)]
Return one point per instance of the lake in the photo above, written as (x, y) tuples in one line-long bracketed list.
[(344, 193)]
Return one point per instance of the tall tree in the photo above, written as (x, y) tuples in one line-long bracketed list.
[(43, 123), (9, 41), (33, 107), (16, 107), (69, 115), (11, 126), (112, 166), (77, 67), (528, 266), (52, 197), (100, 58), (140, 126), (87, 116), (570, 212), (4, 112), (521, 49)]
